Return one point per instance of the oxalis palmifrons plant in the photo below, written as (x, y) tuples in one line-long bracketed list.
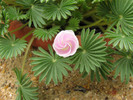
[(63, 19)]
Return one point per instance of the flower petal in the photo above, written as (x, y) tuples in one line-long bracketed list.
[(66, 43)]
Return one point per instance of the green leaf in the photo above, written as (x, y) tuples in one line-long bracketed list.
[(77, 15), (45, 1), (15, 14), (11, 47), (120, 11), (124, 66), (5, 19), (94, 1), (46, 34), (36, 15), (50, 65), (26, 3), (104, 70), (104, 8), (123, 41), (3, 28), (57, 11), (92, 52), (24, 89), (35, 12), (73, 24)]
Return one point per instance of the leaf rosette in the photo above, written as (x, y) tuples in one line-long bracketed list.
[(51, 66)]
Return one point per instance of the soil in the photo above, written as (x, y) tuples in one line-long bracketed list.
[(73, 87)]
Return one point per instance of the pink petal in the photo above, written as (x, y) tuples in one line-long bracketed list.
[(66, 43), (64, 51), (74, 46)]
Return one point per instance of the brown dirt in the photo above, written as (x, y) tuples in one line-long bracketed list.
[(73, 87)]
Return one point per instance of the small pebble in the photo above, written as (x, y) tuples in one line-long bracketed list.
[(131, 86), (80, 88), (68, 91), (88, 94), (106, 98)]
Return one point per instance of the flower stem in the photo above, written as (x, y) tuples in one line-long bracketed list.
[(18, 28), (27, 35), (26, 53)]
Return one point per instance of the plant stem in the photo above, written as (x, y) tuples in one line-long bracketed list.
[(89, 13), (18, 28), (27, 35), (26, 53), (100, 27), (102, 24), (93, 24), (99, 24), (111, 26), (86, 22)]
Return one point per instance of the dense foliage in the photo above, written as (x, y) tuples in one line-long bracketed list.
[(89, 18)]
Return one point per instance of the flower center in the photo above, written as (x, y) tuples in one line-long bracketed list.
[(65, 48), (70, 44)]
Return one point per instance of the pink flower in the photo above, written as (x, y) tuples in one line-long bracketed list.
[(66, 43)]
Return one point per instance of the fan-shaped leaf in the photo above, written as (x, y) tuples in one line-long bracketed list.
[(104, 70), (120, 11), (36, 15), (35, 12), (45, 34), (11, 47), (50, 65), (104, 8), (57, 11), (14, 14), (124, 66), (119, 39), (73, 24), (91, 54), (24, 90)]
